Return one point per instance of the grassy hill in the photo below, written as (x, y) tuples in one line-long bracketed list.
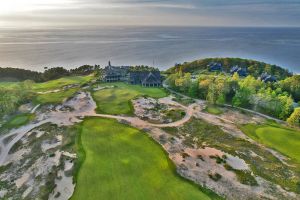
[(255, 68)]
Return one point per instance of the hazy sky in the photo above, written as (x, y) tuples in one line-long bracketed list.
[(30, 13)]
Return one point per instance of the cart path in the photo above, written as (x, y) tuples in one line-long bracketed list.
[(83, 106)]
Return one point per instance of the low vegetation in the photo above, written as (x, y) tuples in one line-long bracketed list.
[(61, 82), (55, 98), (274, 170), (18, 120), (118, 100), (212, 109), (285, 140), (13, 94), (118, 159)]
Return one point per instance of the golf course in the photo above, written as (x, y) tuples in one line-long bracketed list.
[(117, 100), (124, 163), (282, 139)]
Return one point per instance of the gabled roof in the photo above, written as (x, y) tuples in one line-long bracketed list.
[(151, 78), (215, 66), (267, 78), (239, 70)]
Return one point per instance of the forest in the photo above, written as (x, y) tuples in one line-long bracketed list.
[(254, 68), (275, 99)]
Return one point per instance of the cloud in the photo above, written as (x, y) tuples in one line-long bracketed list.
[(154, 12)]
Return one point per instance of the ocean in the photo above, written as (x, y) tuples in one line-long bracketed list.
[(155, 46)]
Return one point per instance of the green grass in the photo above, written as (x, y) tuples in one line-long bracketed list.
[(58, 83), (213, 110), (55, 98), (285, 140), (118, 100), (19, 120), (124, 163), (9, 85), (51, 85)]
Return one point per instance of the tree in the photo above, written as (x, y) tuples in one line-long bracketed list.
[(204, 83), (212, 94), (193, 90), (292, 86), (294, 119), (55, 73)]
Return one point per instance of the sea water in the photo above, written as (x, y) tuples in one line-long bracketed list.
[(155, 46)]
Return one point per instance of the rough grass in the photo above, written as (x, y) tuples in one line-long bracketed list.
[(118, 100), (19, 120), (285, 140), (55, 98), (269, 168), (212, 109), (124, 163), (9, 85)]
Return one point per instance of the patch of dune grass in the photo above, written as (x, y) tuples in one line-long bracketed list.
[(123, 163), (260, 160), (19, 120)]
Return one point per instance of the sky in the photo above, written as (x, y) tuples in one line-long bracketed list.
[(39, 13)]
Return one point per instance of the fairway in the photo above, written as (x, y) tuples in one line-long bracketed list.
[(53, 84), (285, 140), (117, 100), (59, 83), (124, 163)]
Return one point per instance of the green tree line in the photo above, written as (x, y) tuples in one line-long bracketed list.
[(274, 99), (254, 68), (17, 74)]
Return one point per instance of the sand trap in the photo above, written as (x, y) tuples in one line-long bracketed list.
[(64, 185)]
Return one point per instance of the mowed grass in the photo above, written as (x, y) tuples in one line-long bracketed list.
[(285, 140), (52, 85), (58, 83), (118, 100), (123, 163)]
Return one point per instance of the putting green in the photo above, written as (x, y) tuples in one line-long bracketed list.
[(124, 163), (117, 100), (285, 140)]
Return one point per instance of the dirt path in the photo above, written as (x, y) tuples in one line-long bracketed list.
[(17, 134), (82, 106)]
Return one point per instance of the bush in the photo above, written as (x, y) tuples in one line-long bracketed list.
[(215, 176)]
